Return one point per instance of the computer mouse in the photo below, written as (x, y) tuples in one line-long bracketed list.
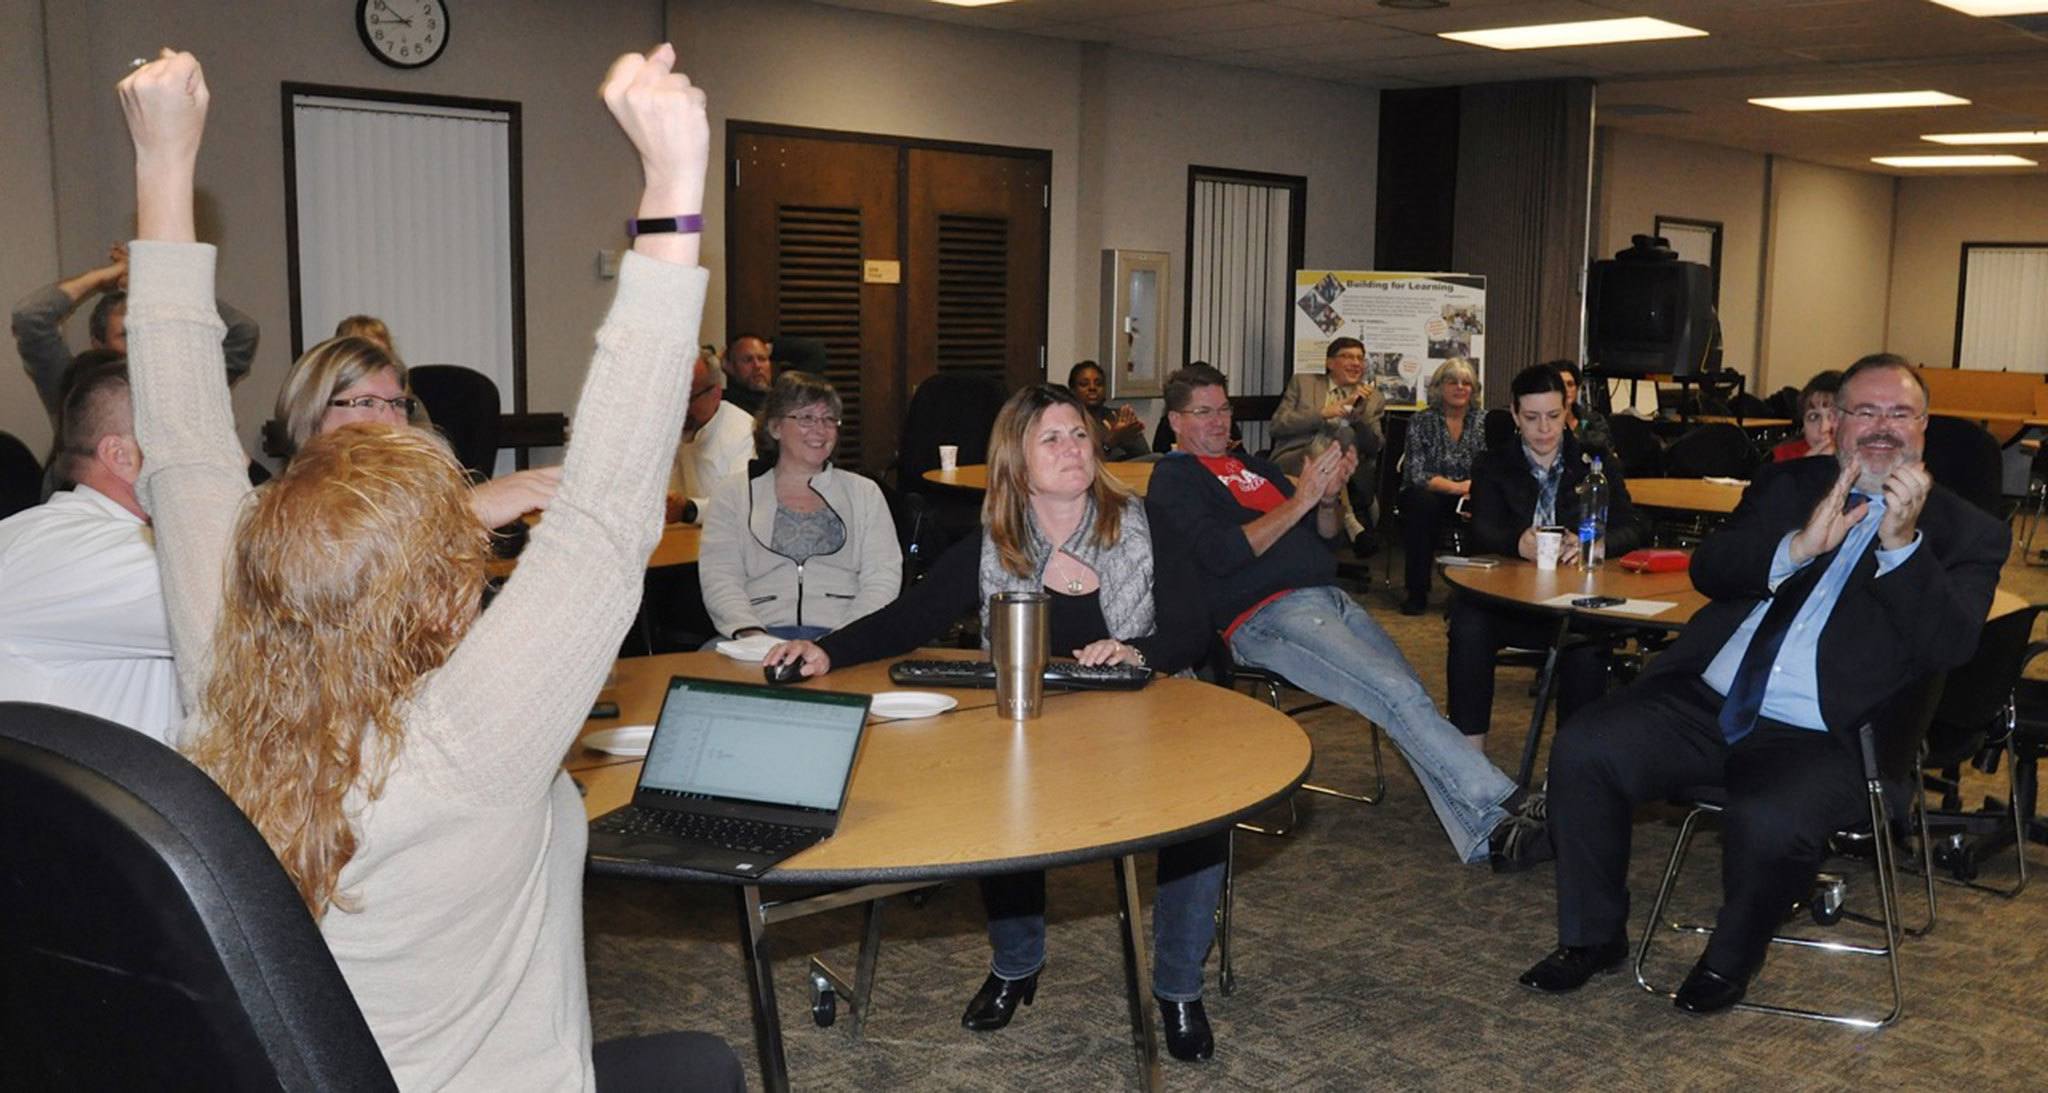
[(789, 671)]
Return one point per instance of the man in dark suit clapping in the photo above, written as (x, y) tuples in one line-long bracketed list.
[(1839, 582)]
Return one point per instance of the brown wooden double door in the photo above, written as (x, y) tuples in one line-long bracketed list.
[(806, 211)]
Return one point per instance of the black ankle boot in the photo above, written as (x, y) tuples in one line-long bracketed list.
[(1187, 1030), (996, 1002)]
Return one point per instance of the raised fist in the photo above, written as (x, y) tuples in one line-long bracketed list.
[(663, 115), (165, 103)]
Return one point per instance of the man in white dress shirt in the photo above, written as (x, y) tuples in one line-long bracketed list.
[(82, 621), (718, 439)]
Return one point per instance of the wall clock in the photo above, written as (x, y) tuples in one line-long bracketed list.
[(403, 33)]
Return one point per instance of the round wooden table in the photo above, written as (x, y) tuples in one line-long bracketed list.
[(974, 476), (1098, 775), (1518, 583), (1690, 494)]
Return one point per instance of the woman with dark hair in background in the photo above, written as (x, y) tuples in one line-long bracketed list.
[(1816, 419), (1055, 521), (1123, 431)]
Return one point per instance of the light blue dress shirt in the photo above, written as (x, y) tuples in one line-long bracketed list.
[(1792, 694)]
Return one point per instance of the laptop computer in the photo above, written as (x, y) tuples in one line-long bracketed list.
[(738, 777)]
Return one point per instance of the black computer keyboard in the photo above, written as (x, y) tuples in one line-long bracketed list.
[(748, 836), (981, 673)]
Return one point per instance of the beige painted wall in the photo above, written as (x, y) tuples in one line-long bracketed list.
[(1122, 127), (1642, 177), (580, 177), (1829, 278), (1936, 217), (28, 221)]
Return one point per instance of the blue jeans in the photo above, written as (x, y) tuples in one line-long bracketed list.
[(1183, 918), (1326, 644)]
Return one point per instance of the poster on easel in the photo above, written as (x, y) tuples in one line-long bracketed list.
[(1410, 323)]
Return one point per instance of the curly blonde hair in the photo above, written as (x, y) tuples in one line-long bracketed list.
[(354, 574), (1005, 509)]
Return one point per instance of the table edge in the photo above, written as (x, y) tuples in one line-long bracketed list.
[(644, 870)]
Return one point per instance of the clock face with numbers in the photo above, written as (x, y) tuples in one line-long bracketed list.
[(403, 33)]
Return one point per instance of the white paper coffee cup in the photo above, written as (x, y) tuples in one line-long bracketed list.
[(1549, 547), (949, 456)]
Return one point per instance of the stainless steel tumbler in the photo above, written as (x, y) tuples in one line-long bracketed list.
[(1017, 624)]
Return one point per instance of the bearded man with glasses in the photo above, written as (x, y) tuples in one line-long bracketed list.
[(1839, 582)]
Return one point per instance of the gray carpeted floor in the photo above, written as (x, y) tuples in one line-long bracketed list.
[(1366, 958)]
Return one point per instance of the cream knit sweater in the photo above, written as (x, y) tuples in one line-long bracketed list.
[(466, 948)]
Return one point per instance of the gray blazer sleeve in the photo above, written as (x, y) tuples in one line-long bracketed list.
[(40, 341)]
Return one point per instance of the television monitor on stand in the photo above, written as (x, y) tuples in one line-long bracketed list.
[(1647, 313)]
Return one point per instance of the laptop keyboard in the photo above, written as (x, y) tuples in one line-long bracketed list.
[(745, 836)]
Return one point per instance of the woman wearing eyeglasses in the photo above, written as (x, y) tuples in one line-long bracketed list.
[(350, 379), (797, 547)]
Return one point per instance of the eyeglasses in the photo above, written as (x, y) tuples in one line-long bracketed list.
[(1203, 413), (372, 403), (813, 421), (1896, 415)]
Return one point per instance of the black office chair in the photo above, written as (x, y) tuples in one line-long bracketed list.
[(1500, 429), (1636, 446), (949, 408), (464, 406), (1718, 450), (1976, 722), (21, 476), (1964, 457), (149, 936), (1746, 405), (1882, 775)]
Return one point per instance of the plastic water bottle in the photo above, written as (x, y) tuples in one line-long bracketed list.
[(1593, 519)]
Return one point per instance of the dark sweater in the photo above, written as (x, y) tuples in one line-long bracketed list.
[(1504, 497), (1179, 636), (1197, 516)]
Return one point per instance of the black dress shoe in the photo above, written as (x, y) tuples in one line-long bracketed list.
[(1708, 991), (1569, 966), (1413, 606), (996, 1002), (1187, 1030)]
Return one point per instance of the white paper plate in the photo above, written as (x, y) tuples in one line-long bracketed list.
[(627, 740), (749, 649), (908, 704)]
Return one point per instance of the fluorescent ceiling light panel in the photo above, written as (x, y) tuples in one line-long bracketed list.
[(1597, 32), (1995, 7), (970, 3), (1988, 160), (1874, 100), (2019, 137)]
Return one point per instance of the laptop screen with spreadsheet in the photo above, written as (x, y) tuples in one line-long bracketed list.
[(763, 745)]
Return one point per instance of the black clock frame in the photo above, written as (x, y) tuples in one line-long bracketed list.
[(363, 35)]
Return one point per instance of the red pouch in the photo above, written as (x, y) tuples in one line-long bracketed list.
[(1655, 560)]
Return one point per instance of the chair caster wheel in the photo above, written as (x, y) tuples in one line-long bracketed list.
[(824, 1002)]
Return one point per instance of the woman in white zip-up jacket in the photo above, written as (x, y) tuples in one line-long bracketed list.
[(800, 548)]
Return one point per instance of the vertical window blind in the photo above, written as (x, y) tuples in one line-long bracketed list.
[(405, 212), (2003, 324), (1240, 263)]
